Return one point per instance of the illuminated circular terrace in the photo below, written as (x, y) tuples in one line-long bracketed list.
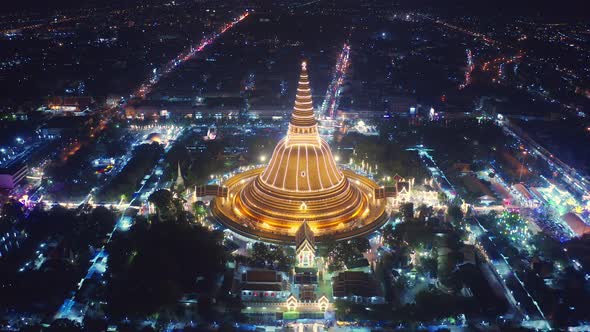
[(301, 183)]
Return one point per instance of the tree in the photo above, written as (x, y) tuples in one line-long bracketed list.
[(232, 304), (442, 197), (263, 255), (455, 214), (344, 253), (361, 244), (126, 182), (424, 211), (205, 309), (387, 232), (407, 210), (260, 254), (428, 265), (12, 211), (146, 278), (435, 304), (178, 154), (335, 265), (199, 209), (31, 328), (94, 324), (77, 230), (162, 200), (548, 247), (64, 325)]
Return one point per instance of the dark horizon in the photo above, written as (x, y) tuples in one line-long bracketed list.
[(574, 9), (529, 8)]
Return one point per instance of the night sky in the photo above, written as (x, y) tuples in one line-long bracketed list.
[(44, 5), (548, 8)]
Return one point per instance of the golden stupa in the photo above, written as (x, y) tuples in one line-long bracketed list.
[(301, 183)]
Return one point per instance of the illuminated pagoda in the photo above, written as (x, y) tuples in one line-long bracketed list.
[(301, 183)]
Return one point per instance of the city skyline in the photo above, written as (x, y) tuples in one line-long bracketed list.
[(324, 166)]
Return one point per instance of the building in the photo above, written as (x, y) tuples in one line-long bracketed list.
[(526, 196), (10, 238), (58, 127), (157, 108), (293, 304), (73, 106), (305, 246), (263, 285), (578, 226), (400, 104), (301, 183), (306, 278), (401, 191), (357, 287), (267, 297), (12, 173)]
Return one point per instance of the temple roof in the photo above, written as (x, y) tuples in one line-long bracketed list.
[(304, 233)]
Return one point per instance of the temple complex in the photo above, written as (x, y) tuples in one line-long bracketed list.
[(302, 184)]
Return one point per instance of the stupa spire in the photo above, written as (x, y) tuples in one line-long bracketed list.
[(303, 119), (179, 185)]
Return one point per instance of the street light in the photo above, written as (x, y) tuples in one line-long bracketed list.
[(262, 158), (523, 165)]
